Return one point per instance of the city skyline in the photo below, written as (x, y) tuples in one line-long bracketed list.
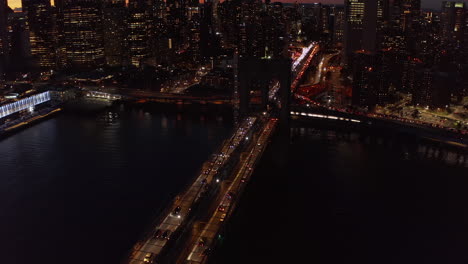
[(426, 3), (156, 131)]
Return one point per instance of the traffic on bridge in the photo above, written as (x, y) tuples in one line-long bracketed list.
[(205, 241), (147, 251)]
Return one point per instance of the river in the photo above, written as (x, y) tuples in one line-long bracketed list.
[(81, 187), (330, 196)]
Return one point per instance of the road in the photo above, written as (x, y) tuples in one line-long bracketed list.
[(338, 98), (172, 221), (335, 93), (302, 64), (206, 240), (404, 108)]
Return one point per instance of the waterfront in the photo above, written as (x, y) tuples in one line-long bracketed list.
[(92, 183), (325, 196), (81, 188)]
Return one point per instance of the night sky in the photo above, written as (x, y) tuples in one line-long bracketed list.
[(426, 3)]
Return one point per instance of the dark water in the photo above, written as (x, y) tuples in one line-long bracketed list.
[(81, 188), (322, 196)]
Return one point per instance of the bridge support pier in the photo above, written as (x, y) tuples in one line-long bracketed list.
[(261, 72)]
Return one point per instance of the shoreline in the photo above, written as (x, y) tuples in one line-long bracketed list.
[(12, 129)]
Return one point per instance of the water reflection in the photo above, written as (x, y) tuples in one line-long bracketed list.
[(407, 150)]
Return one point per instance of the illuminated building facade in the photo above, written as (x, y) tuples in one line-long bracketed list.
[(83, 33), (354, 16), (338, 25), (407, 13), (453, 18), (115, 22), (41, 19), (138, 32)]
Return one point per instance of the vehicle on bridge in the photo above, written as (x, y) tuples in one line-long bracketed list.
[(158, 233), (166, 234), (176, 211), (148, 258), (223, 216), (224, 206)]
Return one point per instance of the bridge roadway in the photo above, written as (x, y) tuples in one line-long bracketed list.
[(187, 199), (173, 222), (206, 240), (298, 73)]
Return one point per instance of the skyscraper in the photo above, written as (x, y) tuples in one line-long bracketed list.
[(364, 23), (18, 38), (139, 21), (83, 33), (453, 22), (354, 16), (3, 36), (115, 22), (370, 79), (176, 20), (42, 32), (159, 43), (407, 13), (338, 25), (194, 33)]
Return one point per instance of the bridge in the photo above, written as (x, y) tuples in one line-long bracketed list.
[(313, 113), (208, 238), (191, 227), (164, 238), (187, 230), (269, 68)]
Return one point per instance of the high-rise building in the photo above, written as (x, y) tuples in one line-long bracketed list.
[(83, 33), (115, 24), (61, 52), (363, 73), (41, 19), (354, 15), (407, 13), (207, 30), (139, 22), (364, 23), (159, 41), (370, 79), (194, 31), (407, 17), (3, 26), (338, 25), (176, 21), (3, 36), (432, 88), (370, 27), (18, 37), (453, 17), (325, 19)]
